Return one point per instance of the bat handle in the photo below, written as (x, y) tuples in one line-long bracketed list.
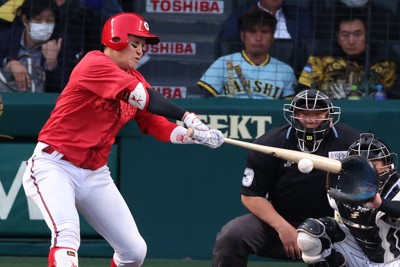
[(190, 132)]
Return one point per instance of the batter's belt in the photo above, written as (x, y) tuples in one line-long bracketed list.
[(50, 150)]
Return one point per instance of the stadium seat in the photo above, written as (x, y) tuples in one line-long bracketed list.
[(172, 74), (290, 51)]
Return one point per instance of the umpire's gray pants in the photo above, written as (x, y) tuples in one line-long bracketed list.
[(244, 236)]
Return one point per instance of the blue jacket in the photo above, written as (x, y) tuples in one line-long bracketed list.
[(9, 48), (298, 22)]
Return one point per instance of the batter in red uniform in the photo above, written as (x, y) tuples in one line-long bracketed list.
[(68, 171)]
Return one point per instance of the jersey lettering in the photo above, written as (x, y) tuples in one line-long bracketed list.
[(258, 87)]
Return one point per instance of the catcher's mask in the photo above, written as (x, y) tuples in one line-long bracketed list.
[(116, 30), (309, 139), (372, 149)]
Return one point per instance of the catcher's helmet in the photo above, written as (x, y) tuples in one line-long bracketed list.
[(312, 100), (373, 149), (116, 30)]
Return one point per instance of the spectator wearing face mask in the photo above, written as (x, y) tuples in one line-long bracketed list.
[(29, 52)]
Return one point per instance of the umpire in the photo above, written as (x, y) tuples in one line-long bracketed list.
[(278, 196)]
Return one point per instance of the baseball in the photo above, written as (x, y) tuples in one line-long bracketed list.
[(305, 165)]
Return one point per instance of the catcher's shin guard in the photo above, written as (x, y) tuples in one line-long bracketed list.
[(63, 257), (334, 260), (315, 239), (113, 263)]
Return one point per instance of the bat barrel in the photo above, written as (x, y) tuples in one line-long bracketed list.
[(319, 162)]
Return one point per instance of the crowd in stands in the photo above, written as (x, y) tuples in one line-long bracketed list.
[(251, 73), (336, 46), (346, 46)]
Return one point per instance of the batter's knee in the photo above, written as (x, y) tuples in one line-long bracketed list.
[(68, 235), (132, 256)]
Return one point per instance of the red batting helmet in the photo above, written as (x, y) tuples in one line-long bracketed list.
[(116, 30)]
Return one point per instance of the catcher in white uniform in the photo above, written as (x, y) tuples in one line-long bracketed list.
[(360, 234)]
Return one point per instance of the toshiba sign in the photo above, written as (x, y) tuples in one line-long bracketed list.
[(185, 6), (172, 91), (170, 48)]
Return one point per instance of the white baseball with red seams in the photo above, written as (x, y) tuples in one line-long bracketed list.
[(305, 165)]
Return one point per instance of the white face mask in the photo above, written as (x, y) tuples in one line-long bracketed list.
[(41, 32), (354, 3)]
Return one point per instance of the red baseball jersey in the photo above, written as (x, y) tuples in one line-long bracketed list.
[(88, 115)]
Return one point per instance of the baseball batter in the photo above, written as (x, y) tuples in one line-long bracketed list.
[(68, 172)]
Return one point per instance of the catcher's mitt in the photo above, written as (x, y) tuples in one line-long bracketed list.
[(357, 183)]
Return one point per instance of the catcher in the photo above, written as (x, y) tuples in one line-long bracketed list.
[(363, 233)]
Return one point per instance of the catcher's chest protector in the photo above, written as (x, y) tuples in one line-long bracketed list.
[(361, 223)]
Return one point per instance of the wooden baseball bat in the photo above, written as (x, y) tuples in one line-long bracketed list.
[(319, 162)]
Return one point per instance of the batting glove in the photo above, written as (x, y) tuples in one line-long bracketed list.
[(192, 121), (211, 138)]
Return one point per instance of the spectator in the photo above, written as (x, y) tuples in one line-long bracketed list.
[(279, 196), (294, 27), (351, 60), (383, 22), (293, 22), (251, 73), (30, 52), (360, 235)]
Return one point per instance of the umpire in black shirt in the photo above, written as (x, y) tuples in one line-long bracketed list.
[(279, 196)]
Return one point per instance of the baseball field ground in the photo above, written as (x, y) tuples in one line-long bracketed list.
[(103, 262)]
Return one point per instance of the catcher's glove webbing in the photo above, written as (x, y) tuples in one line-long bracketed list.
[(357, 183)]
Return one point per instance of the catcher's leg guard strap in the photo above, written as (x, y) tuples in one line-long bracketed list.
[(63, 257), (313, 242), (332, 229)]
